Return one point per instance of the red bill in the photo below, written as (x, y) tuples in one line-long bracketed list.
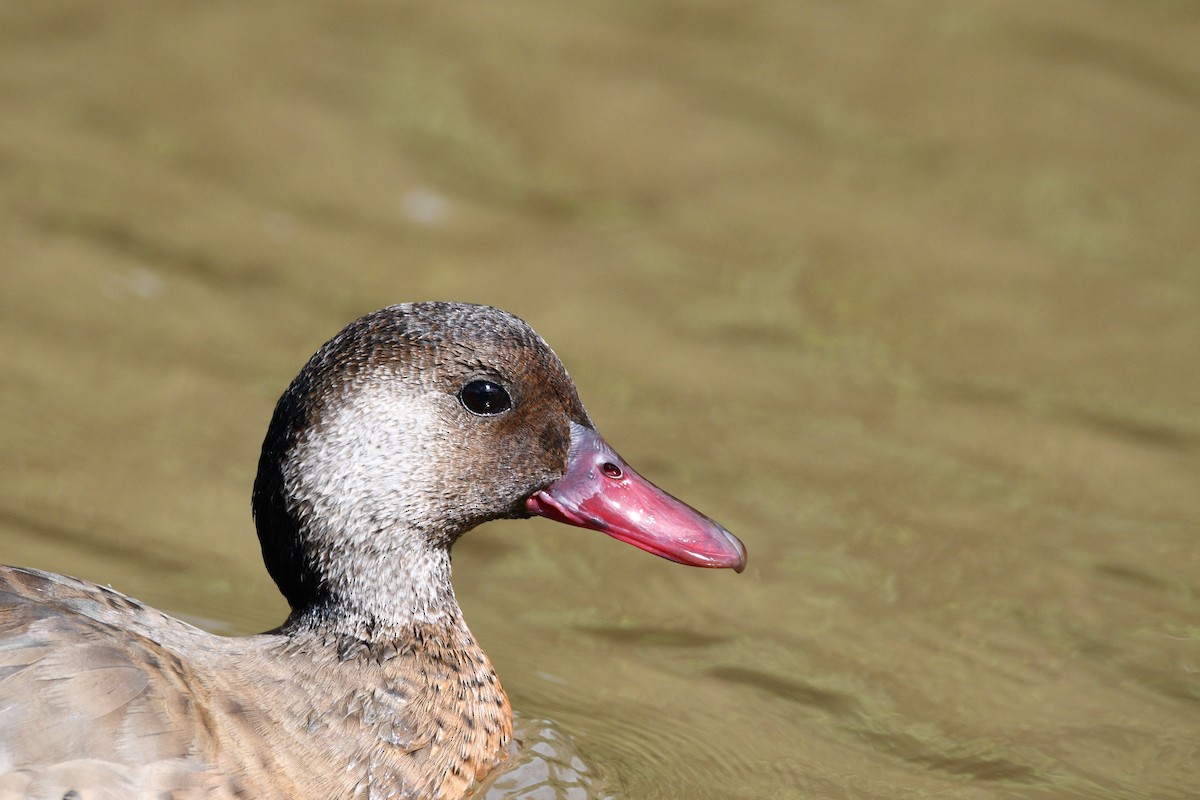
[(599, 491)]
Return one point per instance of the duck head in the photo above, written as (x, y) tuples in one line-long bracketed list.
[(416, 423)]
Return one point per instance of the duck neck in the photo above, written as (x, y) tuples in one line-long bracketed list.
[(379, 596)]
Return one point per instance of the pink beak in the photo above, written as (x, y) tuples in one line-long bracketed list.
[(600, 491)]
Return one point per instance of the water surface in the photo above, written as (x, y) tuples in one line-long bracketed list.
[(907, 296)]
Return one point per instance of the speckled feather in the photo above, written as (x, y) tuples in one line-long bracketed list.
[(374, 686)]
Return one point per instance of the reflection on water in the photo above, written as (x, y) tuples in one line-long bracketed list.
[(906, 295), (546, 766)]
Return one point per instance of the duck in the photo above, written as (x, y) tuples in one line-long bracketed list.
[(411, 426)]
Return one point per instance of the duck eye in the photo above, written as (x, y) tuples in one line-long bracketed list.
[(485, 398)]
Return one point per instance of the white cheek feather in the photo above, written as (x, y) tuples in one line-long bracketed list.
[(368, 480)]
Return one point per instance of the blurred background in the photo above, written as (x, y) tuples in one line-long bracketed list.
[(906, 295)]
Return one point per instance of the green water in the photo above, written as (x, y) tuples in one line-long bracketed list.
[(905, 295)]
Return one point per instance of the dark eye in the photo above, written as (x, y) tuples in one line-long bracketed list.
[(484, 397)]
